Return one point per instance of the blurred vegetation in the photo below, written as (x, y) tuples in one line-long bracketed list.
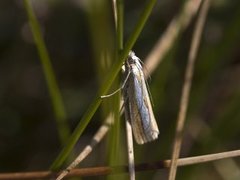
[(29, 138)]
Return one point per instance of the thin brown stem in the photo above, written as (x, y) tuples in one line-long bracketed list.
[(187, 87), (106, 170)]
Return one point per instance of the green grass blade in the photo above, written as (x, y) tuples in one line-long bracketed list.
[(54, 91), (115, 156), (120, 10)]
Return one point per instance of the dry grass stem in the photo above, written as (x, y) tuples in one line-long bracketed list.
[(187, 86), (102, 131), (130, 150), (166, 41)]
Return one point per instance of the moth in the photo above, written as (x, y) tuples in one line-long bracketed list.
[(137, 104)]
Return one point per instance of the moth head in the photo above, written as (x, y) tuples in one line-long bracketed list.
[(132, 58)]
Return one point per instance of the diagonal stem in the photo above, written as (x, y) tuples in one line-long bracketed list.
[(187, 87)]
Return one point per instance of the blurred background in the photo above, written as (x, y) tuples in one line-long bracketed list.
[(29, 139)]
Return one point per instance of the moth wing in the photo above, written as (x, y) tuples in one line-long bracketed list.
[(140, 111)]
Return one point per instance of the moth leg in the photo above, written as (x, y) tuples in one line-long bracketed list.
[(123, 85)]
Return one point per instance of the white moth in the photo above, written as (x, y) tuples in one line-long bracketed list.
[(137, 104)]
